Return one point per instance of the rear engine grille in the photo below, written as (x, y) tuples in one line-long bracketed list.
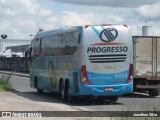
[(107, 58)]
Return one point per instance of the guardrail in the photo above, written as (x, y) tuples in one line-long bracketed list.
[(19, 64)]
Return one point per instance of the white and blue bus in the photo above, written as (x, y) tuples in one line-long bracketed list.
[(91, 60)]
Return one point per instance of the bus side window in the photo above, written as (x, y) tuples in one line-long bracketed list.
[(70, 43), (36, 48), (41, 49), (56, 44), (47, 46)]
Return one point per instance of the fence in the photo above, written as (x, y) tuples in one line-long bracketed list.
[(19, 64)]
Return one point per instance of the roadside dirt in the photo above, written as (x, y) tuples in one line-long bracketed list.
[(13, 101), (31, 101), (16, 101)]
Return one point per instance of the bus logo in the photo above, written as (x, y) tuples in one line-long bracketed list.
[(108, 35)]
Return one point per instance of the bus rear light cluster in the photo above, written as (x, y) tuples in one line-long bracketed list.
[(125, 25), (86, 26), (130, 77), (84, 78)]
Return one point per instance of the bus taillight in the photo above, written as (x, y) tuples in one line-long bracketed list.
[(84, 78), (130, 77), (86, 26), (125, 25)]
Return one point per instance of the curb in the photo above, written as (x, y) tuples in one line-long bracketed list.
[(15, 74)]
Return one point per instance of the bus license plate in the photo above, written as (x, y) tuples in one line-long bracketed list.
[(108, 89)]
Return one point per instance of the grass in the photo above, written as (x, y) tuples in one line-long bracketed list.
[(4, 84)]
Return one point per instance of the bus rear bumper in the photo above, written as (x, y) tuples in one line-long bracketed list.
[(106, 90)]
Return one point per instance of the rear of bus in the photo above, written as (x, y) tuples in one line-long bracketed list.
[(107, 68)]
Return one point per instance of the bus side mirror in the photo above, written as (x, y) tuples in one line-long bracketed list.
[(28, 53), (26, 56)]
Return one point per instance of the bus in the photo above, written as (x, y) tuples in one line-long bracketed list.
[(91, 60)]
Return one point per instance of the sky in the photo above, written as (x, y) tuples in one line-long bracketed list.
[(21, 18)]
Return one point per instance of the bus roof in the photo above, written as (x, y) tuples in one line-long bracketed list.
[(70, 28), (57, 30)]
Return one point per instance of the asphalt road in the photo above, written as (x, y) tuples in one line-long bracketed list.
[(135, 102)]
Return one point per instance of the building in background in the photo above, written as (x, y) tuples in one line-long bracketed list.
[(12, 42), (15, 51), (147, 30), (11, 47)]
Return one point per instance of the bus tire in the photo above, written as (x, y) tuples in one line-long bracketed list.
[(39, 91), (153, 93), (62, 91), (113, 99), (69, 97)]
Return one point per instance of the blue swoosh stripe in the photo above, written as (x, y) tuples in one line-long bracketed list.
[(103, 27), (95, 30)]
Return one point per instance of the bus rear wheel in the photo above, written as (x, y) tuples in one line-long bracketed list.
[(69, 97), (39, 91), (62, 91)]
